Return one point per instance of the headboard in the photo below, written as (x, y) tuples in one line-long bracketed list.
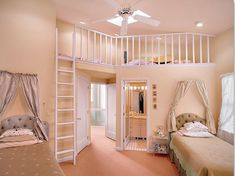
[(188, 117), (20, 121)]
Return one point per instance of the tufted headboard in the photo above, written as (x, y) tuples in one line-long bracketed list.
[(20, 121), (188, 117)]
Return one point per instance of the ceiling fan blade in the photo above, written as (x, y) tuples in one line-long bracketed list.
[(147, 20), (124, 26), (113, 3)]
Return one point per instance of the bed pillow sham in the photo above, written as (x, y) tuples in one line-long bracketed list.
[(16, 132), (193, 125)]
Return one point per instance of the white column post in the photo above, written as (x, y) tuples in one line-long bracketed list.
[(201, 49), (152, 49), (101, 47), (208, 49), (145, 50), (133, 49), (193, 48), (186, 47), (172, 48), (139, 50), (165, 49), (116, 50), (111, 48), (179, 49)]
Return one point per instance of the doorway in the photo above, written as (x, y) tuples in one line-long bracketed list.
[(135, 115), (103, 109)]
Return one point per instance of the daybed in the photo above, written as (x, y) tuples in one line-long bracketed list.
[(28, 160), (200, 156)]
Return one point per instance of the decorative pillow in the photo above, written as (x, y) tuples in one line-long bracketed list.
[(192, 125), (17, 132)]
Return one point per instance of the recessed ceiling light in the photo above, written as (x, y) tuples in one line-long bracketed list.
[(81, 22), (118, 19), (199, 24)]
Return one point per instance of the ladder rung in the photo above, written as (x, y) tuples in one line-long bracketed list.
[(67, 58), (65, 123), (64, 83), (65, 71), (65, 110), (65, 96), (65, 137), (64, 151)]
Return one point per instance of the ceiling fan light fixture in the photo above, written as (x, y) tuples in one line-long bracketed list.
[(118, 19)]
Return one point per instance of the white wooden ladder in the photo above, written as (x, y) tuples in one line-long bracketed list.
[(63, 153)]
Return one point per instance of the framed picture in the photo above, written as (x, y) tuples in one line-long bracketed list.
[(154, 106), (154, 86), (155, 93), (154, 99)]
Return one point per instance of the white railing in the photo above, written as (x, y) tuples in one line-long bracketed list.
[(171, 48)]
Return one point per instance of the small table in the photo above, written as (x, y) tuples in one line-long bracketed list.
[(159, 144)]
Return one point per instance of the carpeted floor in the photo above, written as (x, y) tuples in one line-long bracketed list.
[(101, 159)]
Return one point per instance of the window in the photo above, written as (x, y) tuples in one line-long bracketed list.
[(226, 121)]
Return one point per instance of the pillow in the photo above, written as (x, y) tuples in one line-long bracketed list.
[(201, 134), (16, 132), (194, 129), (192, 125)]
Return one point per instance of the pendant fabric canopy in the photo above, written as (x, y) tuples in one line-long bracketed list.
[(181, 90), (9, 83)]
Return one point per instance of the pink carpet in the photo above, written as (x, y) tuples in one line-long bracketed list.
[(101, 159)]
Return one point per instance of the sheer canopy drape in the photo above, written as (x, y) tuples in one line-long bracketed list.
[(181, 90), (8, 86), (9, 83), (30, 89)]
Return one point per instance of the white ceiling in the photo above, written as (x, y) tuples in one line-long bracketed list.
[(175, 15)]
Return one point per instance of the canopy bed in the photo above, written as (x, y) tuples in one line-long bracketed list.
[(24, 147), (197, 155)]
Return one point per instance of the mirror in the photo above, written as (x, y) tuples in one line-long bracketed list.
[(136, 98)]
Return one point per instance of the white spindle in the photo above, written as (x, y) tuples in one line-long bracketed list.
[(159, 49), (208, 49), (127, 50), (133, 49), (145, 50), (172, 48), (88, 44), (121, 49), (179, 49), (106, 49), (116, 49), (101, 46), (152, 49), (165, 49), (94, 54), (111, 48), (200, 49), (139, 50), (81, 44), (186, 47), (193, 48)]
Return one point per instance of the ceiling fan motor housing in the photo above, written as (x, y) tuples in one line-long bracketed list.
[(126, 11)]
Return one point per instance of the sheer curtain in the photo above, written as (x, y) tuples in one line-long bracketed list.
[(8, 85), (30, 89), (226, 119)]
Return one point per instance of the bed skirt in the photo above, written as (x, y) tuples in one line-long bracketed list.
[(175, 160)]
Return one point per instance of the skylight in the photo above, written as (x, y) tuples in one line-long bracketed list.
[(118, 20)]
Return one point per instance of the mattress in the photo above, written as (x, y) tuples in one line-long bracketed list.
[(31, 160), (203, 156)]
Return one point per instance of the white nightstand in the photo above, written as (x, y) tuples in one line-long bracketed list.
[(159, 144)]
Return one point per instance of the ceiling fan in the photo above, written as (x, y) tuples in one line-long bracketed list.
[(126, 11)]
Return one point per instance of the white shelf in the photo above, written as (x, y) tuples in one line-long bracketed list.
[(65, 96), (64, 83), (65, 71)]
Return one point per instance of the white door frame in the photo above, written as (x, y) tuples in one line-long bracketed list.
[(87, 114), (148, 132)]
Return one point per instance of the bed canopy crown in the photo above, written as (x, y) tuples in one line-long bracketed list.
[(9, 82), (181, 90)]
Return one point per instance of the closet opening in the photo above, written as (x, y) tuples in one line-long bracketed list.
[(135, 113)]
